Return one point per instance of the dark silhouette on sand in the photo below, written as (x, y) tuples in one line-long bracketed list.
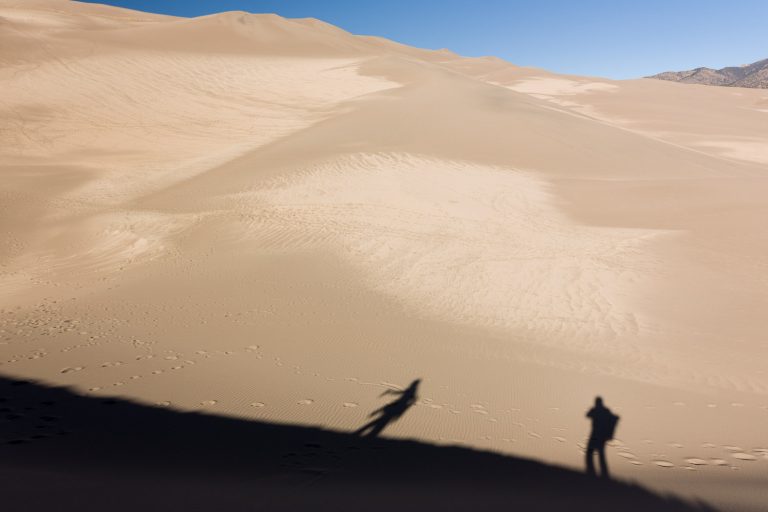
[(390, 412), (603, 427), (63, 451)]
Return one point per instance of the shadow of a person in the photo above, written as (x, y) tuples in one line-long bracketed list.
[(603, 427), (390, 412)]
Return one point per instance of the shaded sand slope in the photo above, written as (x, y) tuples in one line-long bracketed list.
[(99, 453)]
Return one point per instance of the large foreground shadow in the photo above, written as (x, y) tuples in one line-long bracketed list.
[(63, 451)]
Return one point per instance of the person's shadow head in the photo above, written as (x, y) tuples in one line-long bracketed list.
[(392, 411), (413, 387)]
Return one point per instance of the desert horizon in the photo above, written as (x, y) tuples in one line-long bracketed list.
[(245, 221)]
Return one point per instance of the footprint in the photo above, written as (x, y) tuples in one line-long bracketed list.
[(306, 401), (743, 456), (534, 435), (635, 462), (209, 402), (72, 369), (559, 439), (696, 462), (663, 463), (163, 403), (350, 404), (627, 455), (718, 462), (258, 404)]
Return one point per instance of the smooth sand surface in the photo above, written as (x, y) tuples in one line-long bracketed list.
[(276, 220)]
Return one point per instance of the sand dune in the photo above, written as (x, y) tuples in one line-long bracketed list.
[(277, 220), (407, 220)]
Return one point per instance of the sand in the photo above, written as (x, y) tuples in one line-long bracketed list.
[(276, 221)]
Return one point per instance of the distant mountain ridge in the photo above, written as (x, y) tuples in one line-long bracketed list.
[(753, 75)]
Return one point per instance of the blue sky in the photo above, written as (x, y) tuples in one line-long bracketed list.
[(611, 38)]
